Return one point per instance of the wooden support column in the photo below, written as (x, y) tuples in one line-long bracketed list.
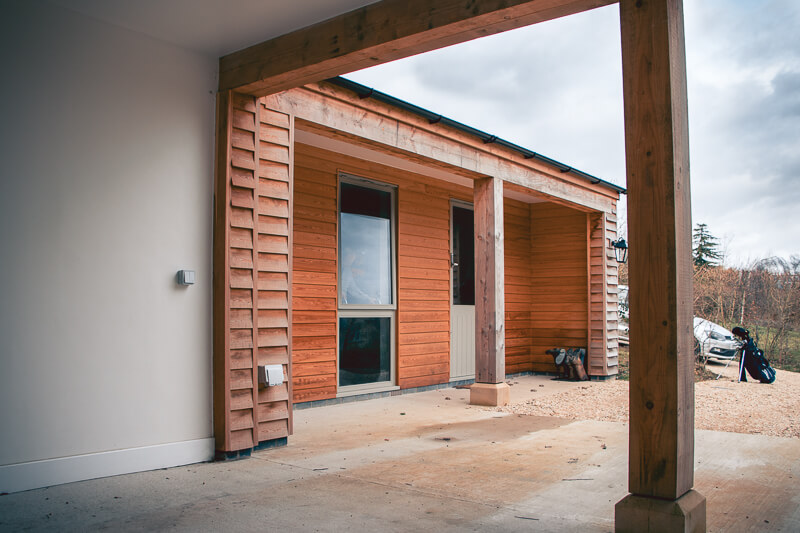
[(490, 351), (661, 461)]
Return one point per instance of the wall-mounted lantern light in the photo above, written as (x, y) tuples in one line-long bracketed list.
[(620, 250)]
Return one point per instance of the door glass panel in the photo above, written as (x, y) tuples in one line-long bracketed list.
[(365, 246), (463, 256), (364, 350)]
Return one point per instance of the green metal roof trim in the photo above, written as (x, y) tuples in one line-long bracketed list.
[(434, 118)]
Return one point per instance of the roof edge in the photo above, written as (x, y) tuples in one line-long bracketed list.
[(434, 118)]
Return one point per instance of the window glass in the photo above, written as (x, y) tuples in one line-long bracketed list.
[(365, 247), (364, 350), (463, 256)]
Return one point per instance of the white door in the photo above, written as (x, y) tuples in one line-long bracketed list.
[(462, 302)]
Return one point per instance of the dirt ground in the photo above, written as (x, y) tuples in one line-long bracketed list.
[(721, 404)]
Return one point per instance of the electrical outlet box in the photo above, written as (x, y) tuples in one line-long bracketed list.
[(186, 277)]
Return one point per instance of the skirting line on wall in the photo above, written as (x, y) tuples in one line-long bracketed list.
[(36, 474)]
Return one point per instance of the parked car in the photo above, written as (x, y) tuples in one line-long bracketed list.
[(712, 341)]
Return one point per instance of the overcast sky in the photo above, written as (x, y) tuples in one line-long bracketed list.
[(556, 88)]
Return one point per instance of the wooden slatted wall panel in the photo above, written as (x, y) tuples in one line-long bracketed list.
[(559, 314), (275, 156), (315, 271), (597, 294), (251, 285), (423, 237), (517, 227), (603, 319), (612, 298)]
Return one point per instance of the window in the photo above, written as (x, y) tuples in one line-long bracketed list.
[(463, 258), (367, 293)]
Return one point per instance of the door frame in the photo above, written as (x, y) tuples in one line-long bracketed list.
[(469, 206)]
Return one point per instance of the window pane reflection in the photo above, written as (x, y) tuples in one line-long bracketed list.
[(364, 350), (365, 247)]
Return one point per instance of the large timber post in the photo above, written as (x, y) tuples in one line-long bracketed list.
[(661, 461), (490, 350)]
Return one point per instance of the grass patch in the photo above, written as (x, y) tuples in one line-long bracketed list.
[(787, 356)]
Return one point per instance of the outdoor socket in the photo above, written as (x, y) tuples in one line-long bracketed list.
[(185, 277)]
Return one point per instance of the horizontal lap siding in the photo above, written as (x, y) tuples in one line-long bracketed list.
[(603, 325), (423, 268), (423, 271), (559, 316), (314, 281), (252, 287), (273, 410), (517, 228), (612, 299)]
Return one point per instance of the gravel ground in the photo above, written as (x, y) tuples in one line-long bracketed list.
[(720, 405)]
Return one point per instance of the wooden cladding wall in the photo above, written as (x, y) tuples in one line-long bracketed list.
[(603, 318), (546, 278), (423, 272), (252, 318), (518, 271), (559, 314), (314, 283)]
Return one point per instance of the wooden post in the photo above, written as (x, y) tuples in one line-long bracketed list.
[(490, 351), (661, 462)]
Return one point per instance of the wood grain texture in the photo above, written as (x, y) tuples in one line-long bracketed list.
[(659, 214), (559, 299), (602, 295), (222, 275), (378, 33), (422, 272), (251, 271), (518, 271), (489, 281), (407, 135), (314, 282)]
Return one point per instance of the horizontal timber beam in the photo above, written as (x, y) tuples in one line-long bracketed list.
[(379, 33), (331, 107)]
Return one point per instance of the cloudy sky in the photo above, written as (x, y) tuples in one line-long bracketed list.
[(556, 88)]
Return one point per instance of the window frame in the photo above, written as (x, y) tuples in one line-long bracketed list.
[(369, 184), (345, 310)]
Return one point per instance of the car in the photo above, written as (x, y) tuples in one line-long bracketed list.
[(712, 341)]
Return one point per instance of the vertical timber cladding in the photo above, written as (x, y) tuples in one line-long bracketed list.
[(518, 270), (252, 271), (423, 272), (602, 283), (559, 306)]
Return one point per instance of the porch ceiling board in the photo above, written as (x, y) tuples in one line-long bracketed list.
[(405, 133), (378, 33)]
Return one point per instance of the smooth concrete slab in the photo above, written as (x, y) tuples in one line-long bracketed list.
[(426, 461)]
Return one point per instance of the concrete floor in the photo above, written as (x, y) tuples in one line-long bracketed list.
[(419, 462)]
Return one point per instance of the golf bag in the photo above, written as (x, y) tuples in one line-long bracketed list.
[(753, 359)]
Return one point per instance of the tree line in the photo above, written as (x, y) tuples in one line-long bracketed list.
[(763, 296)]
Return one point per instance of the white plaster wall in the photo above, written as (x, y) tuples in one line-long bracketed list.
[(105, 192)]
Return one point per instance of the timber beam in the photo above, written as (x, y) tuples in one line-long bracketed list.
[(379, 33), (661, 456), (490, 331)]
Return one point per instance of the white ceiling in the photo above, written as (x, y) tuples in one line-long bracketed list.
[(212, 27)]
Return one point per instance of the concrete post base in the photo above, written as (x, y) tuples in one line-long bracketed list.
[(490, 394), (644, 514)]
